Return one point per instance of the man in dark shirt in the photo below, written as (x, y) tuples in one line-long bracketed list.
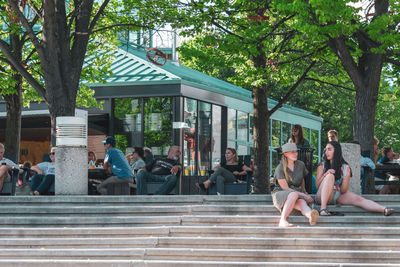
[(162, 170)]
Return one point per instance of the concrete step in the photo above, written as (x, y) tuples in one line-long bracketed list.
[(203, 231), (211, 220), (372, 244), (189, 253), (173, 263), (92, 209), (298, 232)]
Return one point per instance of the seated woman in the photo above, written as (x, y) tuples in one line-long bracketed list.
[(41, 183), (289, 192), (225, 172), (332, 181), (91, 160), (387, 157), (298, 138)]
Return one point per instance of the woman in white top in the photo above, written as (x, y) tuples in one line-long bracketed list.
[(332, 180), (44, 179)]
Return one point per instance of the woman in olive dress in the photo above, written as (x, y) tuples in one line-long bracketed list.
[(289, 193)]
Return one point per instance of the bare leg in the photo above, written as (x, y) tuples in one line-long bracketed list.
[(287, 209), (207, 183), (350, 198), (3, 175), (325, 191), (311, 215)]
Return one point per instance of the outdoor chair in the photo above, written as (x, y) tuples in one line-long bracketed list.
[(9, 186), (241, 187)]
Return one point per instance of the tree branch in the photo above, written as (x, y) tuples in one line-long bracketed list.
[(28, 27), (392, 61), (98, 14), (331, 84), (291, 90), (17, 65)]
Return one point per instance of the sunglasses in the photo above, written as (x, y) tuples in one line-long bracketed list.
[(52, 153)]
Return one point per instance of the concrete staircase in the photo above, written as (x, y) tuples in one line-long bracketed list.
[(189, 231)]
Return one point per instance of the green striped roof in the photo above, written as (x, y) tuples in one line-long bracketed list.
[(131, 67)]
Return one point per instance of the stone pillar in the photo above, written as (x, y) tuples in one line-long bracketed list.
[(351, 154), (71, 170)]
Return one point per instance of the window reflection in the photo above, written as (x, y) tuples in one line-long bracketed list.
[(276, 133), (127, 113), (242, 126), (231, 123), (158, 124), (216, 135), (189, 135), (204, 135)]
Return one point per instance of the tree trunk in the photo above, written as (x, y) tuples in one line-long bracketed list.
[(14, 106), (261, 130), (261, 140), (364, 120), (13, 122)]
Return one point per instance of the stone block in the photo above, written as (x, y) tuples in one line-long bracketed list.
[(71, 171), (351, 154)]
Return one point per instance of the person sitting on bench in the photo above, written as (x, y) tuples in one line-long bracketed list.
[(5, 166), (225, 172), (164, 170), (116, 163), (41, 182)]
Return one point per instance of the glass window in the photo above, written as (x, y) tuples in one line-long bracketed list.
[(242, 126), (242, 150), (189, 135), (286, 132), (276, 133), (158, 124), (231, 124), (305, 133), (204, 135), (232, 144), (216, 136), (128, 121), (275, 161), (251, 130)]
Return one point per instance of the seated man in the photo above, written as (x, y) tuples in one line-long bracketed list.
[(162, 170), (42, 182), (116, 163), (5, 166)]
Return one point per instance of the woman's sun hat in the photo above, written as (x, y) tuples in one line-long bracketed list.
[(289, 147)]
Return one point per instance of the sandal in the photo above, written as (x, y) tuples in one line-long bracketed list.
[(324, 212), (313, 217), (388, 211)]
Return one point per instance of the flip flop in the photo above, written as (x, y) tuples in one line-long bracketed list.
[(324, 212), (388, 211), (313, 217)]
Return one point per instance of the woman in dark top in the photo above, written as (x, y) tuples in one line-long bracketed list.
[(298, 137), (225, 172)]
